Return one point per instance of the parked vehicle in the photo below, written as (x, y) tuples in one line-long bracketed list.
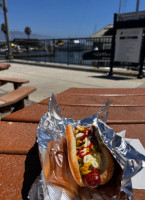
[(97, 54), (14, 49)]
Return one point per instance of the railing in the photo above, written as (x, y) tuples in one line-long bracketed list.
[(85, 51)]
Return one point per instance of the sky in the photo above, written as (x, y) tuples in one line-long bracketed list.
[(65, 18)]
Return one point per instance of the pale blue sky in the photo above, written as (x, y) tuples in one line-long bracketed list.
[(65, 18)]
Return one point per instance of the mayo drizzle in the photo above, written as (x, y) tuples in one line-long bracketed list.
[(79, 135), (90, 158), (87, 142)]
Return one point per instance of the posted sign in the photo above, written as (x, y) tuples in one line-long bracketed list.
[(128, 45)]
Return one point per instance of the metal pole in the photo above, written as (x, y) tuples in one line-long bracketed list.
[(141, 63), (137, 8), (119, 10), (113, 46), (119, 7), (7, 29)]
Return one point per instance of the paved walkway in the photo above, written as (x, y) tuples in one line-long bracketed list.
[(56, 80)]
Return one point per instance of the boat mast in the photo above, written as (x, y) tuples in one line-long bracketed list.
[(119, 7), (137, 8)]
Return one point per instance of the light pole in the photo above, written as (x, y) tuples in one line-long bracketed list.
[(7, 29), (119, 7), (137, 8)]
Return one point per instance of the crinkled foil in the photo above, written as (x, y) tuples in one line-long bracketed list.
[(57, 183)]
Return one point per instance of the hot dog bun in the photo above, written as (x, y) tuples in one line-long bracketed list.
[(107, 164), (72, 158), (56, 168)]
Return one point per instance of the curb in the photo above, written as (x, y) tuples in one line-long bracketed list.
[(104, 70)]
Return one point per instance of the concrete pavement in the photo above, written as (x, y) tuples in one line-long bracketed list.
[(56, 80)]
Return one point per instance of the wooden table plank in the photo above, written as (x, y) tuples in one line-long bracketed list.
[(90, 100), (17, 174), (116, 114), (4, 66), (30, 114), (106, 91), (119, 115), (138, 194), (17, 138)]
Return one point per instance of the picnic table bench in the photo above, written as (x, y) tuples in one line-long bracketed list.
[(17, 82), (19, 158), (15, 98), (4, 66)]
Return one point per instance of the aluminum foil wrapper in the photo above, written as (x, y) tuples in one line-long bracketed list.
[(56, 181)]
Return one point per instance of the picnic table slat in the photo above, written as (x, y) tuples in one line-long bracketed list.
[(17, 138), (17, 82), (16, 175), (30, 114), (4, 66), (119, 115), (91, 100), (16, 95), (16, 186), (105, 91)]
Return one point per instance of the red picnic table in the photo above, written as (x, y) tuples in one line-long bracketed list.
[(19, 159), (4, 66)]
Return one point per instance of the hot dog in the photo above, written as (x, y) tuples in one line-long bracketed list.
[(90, 161)]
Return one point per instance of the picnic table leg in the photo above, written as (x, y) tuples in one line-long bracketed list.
[(16, 85), (5, 109), (19, 105)]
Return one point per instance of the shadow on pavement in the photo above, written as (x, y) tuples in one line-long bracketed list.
[(116, 78)]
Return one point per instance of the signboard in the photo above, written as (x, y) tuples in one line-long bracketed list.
[(128, 45)]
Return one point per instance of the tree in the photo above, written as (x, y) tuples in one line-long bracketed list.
[(27, 31), (3, 28)]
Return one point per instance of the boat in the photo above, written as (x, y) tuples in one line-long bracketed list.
[(97, 54), (72, 45)]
